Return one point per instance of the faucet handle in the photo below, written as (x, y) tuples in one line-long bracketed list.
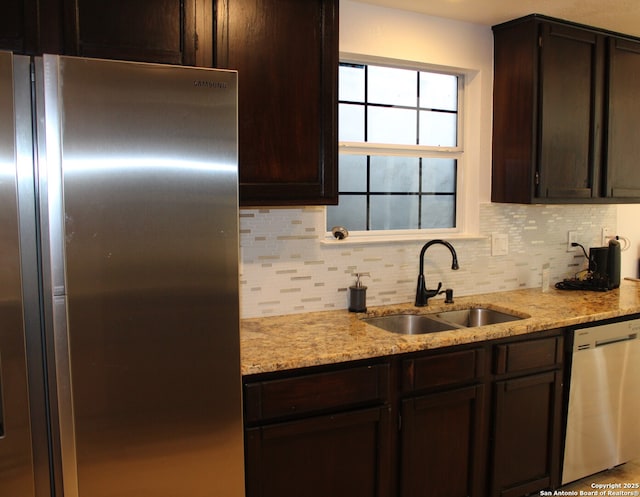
[(433, 293)]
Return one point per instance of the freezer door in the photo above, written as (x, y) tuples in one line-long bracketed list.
[(16, 459), (149, 350)]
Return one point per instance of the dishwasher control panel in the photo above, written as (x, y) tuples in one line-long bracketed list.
[(598, 336)]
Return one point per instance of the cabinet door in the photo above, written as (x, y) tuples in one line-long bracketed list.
[(514, 112), (18, 26), (342, 455), (526, 435), (162, 31), (442, 444), (286, 52), (570, 102), (623, 146), (31, 26)]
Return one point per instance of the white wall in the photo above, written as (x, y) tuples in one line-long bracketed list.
[(629, 227)]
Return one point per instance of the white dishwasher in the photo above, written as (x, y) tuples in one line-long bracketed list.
[(603, 425)]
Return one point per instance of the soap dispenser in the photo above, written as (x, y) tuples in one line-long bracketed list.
[(358, 295)]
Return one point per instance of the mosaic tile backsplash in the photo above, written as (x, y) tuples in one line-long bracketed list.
[(286, 270)]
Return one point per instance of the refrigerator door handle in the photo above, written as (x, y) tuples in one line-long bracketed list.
[(65, 398), (52, 240), (50, 173)]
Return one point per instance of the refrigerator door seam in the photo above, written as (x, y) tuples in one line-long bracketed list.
[(52, 219)]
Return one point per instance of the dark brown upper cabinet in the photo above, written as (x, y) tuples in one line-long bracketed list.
[(562, 130), (622, 148), (18, 26), (31, 26), (162, 31), (546, 98), (286, 53)]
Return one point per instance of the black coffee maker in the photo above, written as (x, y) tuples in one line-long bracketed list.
[(604, 265), (603, 273)]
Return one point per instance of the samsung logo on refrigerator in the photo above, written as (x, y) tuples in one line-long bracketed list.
[(210, 84)]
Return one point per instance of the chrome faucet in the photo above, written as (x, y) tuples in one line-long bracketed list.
[(422, 294)]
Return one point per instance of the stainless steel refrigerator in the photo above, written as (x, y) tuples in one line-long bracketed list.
[(119, 319)]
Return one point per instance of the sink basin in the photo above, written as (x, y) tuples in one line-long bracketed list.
[(410, 324), (476, 316), (417, 324)]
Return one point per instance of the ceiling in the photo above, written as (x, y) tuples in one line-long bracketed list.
[(622, 16)]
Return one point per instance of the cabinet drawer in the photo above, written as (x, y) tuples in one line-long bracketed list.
[(316, 392), (532, 354), (442, 369)]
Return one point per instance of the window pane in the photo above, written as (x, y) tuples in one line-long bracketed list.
[(387, 107), (395, 174), (352, 171), (392, 86), (389, 125), (351, 83), (438, 211), (394, 212), (350, 213), (439, 175), (438, 91), (438, 129), (351, 123)]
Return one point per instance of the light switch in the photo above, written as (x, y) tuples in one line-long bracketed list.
[(499, 244)]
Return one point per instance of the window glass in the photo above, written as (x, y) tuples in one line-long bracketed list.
[(438, 175), (351, 213), (438, 129), (390, 125), (394, 212), (352, 173), (438, 91), (438, 211), (403, 125), (351, 83), (390, 86), (351, 123), (395, 174)]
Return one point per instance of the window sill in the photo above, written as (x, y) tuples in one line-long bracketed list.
[(372, 239)]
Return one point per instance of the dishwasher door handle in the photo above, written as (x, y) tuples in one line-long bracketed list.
[(609, 341)]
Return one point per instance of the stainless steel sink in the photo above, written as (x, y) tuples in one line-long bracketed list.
[(410, 324), (417, 324), (476, 316)]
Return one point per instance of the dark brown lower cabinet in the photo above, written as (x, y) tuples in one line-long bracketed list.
[(468, 421), (320, 432), (526, 420), (341, 455), (441, 444)]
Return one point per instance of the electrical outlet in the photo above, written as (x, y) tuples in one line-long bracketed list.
[(572, 237), (606, 234), (499, 244)]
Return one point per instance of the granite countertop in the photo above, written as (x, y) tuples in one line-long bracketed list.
[(317, 338)]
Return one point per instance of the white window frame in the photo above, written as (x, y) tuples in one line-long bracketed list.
[(457, 153)]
